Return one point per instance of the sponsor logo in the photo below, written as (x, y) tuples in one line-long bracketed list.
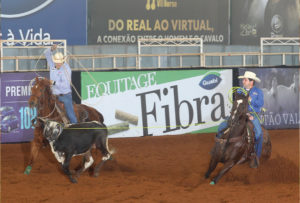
[(210, 81), (192, 115), (154, 4)]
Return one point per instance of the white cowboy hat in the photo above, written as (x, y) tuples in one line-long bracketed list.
[(251, 75), (58, 58)]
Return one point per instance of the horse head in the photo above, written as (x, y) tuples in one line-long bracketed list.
[(39, 86), (239, 109)]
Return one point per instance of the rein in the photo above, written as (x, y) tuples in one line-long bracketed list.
[(230, 140), (234, 121), (246, 137), (48, 114), (65, 120)]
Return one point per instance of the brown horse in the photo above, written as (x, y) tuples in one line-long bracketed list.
[(236, 145), (49, 107)]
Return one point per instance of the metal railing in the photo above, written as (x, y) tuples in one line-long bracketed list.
[(173, 42), (180, 60), (113, 57), (280, 41)]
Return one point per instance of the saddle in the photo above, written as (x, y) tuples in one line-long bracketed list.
[(60, 107), (250, 140)]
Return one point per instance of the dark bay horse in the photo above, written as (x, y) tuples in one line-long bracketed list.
[(49, 107), (236, 145)]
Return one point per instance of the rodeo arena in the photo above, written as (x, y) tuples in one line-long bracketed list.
[(149, 101)]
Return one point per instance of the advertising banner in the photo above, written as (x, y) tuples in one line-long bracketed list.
[(281, 96), (251, 20), (170, 102), (15, 113), (125, 21), (44, 20)]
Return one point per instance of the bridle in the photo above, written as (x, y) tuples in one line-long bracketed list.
[(39, 98), (235, 118)]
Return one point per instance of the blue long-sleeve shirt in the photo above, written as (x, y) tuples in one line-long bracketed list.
[(61, 76), (257, 99)]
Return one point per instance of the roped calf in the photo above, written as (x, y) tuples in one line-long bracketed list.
[(77, 139)]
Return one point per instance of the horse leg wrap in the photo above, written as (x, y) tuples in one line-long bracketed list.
[(27, 170)]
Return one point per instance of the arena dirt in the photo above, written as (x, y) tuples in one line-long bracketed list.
[(154, 169)]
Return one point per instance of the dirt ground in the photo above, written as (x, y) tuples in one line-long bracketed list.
[(154, 169)]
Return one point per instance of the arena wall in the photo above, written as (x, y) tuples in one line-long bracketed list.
[(154, 106)]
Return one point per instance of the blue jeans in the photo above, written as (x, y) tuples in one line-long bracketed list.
[(257, 132), (67, 100)]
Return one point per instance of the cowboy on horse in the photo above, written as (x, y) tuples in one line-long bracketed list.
[(47, 95), (256, 102), (60, 76)]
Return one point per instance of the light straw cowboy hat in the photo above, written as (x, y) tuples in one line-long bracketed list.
[(251, 75), (58, 58)]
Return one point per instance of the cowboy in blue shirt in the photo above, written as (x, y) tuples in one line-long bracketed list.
[(60, 75), (256, 99)]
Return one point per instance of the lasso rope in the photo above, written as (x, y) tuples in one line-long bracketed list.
[(230, 93), (140, 127), (69, 79), (243, 91), (86, 70), (235, 89)]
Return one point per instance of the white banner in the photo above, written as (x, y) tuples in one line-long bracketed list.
[(178, 106)]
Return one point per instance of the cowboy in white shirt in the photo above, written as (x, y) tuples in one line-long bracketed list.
[(60, 75)]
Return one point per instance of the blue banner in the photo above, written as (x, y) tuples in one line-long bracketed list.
[(15, 114), (44, 20)]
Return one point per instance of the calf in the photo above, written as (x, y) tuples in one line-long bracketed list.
[(77, 139)]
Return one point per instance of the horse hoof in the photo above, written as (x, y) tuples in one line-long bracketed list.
[(96, 174), (212, 183), (27, 170)]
